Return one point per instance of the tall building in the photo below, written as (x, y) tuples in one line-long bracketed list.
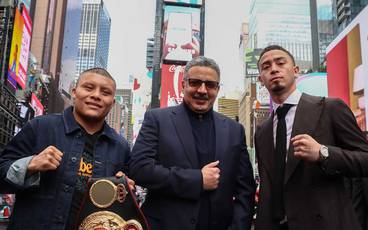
[(125, 98), (346, 10), (94, 37), (115, 118), (229, 108), (282, 22), (326, 27), (55, 46)]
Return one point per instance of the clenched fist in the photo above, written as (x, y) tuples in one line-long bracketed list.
[(211, 175), (48, 159)]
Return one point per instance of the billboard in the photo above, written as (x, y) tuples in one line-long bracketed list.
[(171, 85), (251, 59), (36, 105), (192, 2), (15, 49), (347, 67), (181, 31), (24, 51)]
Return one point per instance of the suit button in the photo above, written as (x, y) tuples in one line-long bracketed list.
[(66, 188), (58, 219), (192, 221), (74, 159)]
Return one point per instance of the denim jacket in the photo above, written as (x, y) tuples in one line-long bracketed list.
[(47, 205)]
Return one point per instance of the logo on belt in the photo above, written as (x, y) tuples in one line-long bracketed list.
[(105, 220)]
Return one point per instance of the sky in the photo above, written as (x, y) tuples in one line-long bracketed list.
[(132, 22)]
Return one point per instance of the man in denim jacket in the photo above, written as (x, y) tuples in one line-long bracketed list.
[(48, 163)]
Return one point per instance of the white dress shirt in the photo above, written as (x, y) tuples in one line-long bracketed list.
[(293, 99)]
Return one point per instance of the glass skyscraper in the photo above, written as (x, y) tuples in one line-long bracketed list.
[(283, 22), (94, 37)]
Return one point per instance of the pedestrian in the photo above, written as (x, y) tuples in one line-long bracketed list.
[(194, 161), (48, 163), (304, 150)]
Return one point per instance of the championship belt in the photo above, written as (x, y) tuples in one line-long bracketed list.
[(110, 205)]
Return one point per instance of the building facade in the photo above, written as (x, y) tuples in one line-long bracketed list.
[(229, 108), (346, 10), (284, 23), (94, 37), (125, 98)]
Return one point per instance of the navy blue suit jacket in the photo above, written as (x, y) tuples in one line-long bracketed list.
[(164, 160)]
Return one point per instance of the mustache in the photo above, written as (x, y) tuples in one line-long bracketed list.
[(200, 96)]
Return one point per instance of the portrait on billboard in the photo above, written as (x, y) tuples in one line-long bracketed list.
[(347, 67), (16, 44), (181, 33)]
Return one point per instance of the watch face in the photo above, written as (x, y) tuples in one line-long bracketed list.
[(324, 151)]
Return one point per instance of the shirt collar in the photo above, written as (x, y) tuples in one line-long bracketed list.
[(293, 99), (72, 125)]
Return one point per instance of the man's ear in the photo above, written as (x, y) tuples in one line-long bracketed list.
[(260, 80), (296, 69), (73, 93)]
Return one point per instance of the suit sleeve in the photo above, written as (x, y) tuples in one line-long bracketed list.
[(244, 190), (146, 170), (349, 155)]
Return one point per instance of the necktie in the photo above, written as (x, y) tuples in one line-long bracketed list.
[(280, 153)]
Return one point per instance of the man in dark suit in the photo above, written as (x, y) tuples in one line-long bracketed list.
[(194, 161), (302, 184)]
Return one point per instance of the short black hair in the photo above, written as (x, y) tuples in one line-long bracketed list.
[(97, 70), (275, 47)]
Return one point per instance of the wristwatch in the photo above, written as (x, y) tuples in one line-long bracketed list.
[(323, 153)]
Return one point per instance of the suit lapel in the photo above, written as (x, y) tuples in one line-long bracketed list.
[(266, 146), (221, 132), (306, 120), (184, 130)]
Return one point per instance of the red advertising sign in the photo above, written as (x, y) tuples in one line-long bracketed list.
[(171, 85), (347, 67), (24, 51), (36, 105)]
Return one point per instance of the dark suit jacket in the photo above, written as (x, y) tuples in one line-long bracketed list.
[(164, 160), (315, 197)]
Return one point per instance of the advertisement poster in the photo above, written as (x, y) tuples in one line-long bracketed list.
[(171, 85), (181, 33), (347, 67), (192, 2), (16, 44), (24, 51), (36, 105), (251, 60)]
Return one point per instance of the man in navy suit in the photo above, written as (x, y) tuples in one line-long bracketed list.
[(194, 161)]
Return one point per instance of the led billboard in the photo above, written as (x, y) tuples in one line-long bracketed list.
[(181, 33), (24, 51), (347, 67), (171, 85), (16, 44), (192, 2)]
